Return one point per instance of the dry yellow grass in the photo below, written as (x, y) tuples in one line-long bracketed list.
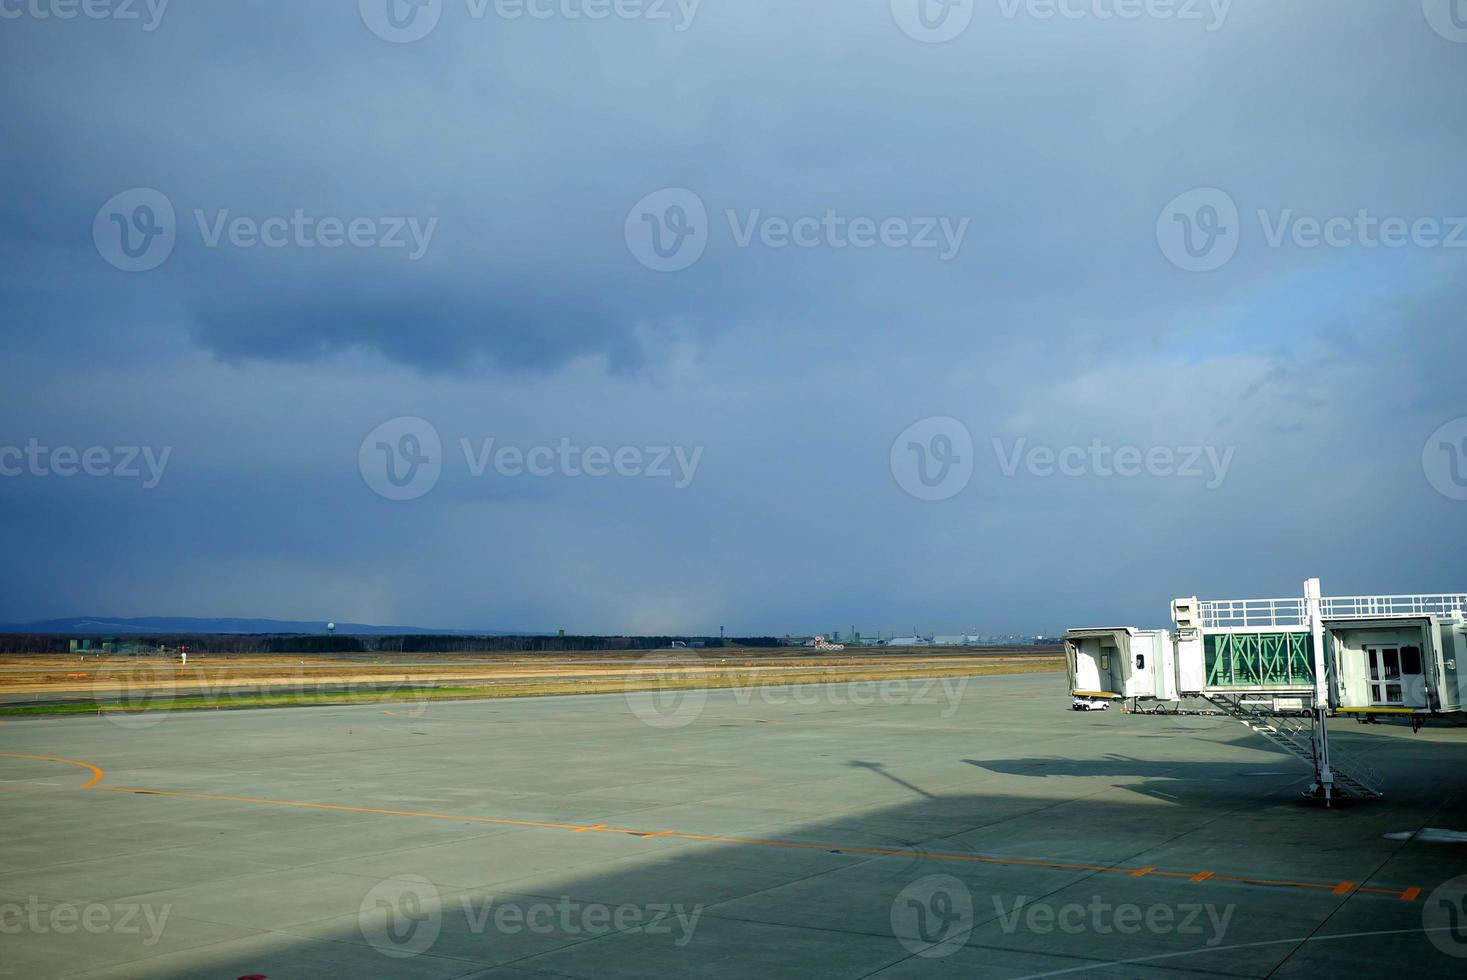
[(73, 676)]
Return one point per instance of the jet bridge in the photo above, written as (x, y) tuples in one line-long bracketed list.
[(1261, 661)]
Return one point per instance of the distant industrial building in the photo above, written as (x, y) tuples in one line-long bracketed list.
[(862, 638)]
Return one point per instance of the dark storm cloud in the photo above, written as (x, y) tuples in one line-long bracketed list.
[(526, 315), (1057, 151)]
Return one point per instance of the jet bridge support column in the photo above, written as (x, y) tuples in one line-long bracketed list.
[(1324, 777)]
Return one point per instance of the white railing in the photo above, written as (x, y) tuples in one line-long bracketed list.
[(1226, 613), (1362, 606), (1248, 613)]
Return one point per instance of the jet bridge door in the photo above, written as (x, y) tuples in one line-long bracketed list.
[(1098, 661)]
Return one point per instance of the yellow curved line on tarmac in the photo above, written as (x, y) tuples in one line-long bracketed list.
[(97, 773), (1337, 888)]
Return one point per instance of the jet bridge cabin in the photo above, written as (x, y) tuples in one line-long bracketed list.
[(1395, 664), (1120, 662)]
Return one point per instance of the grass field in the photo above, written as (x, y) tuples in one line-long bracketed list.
[(73, 685)]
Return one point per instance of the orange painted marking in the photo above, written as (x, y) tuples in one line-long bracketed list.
[(97, 774), (499, 821), (1409, 894)]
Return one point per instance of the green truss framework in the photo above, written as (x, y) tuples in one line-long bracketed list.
[(1283, 659)]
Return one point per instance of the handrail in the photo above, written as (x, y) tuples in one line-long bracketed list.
[(1252, 612), (1244, 613)]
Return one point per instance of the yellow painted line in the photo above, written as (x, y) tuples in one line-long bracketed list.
[(1333, 888), (756, 842), (1408, 894), (500, 821), (97, 774), (1093, 694)]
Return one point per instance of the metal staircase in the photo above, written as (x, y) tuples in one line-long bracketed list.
[(1293, 732)]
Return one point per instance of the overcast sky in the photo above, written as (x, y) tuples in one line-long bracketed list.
[(1066, 329)]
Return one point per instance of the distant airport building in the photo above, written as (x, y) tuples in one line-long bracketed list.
[(957, 640)]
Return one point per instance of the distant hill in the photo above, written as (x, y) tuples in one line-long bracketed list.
[(183, 624)]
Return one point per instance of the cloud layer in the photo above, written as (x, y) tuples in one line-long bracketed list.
[(821, 147)]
